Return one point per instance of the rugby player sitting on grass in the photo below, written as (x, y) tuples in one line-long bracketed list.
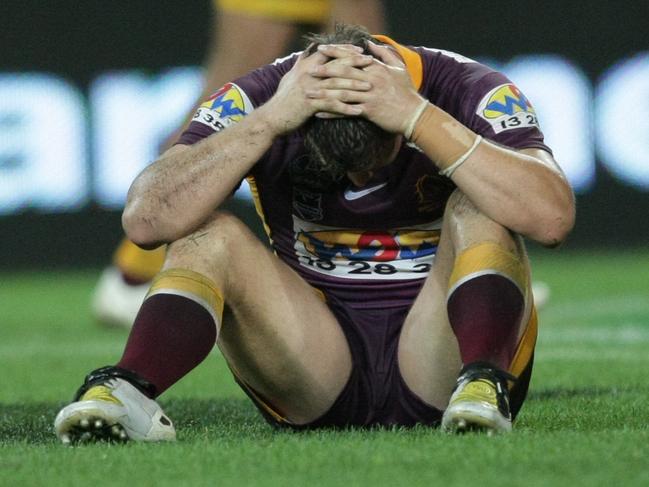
[(396, 184)]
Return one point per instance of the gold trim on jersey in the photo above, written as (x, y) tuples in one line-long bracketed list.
[(256, 398), (413, 61), (254, 191)]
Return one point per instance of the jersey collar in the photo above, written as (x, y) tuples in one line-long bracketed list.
[(414, 64)]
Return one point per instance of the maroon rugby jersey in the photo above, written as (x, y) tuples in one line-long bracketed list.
[(370, 246)]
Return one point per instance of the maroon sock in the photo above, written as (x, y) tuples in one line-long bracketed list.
[(171, 335), (485, 314)]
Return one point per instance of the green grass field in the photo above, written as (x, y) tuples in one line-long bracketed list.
[(586, 421)]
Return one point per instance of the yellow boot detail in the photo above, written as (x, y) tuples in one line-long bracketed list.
[(100, 393)]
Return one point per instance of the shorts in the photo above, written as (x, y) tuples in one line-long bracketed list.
[(296, 11), (376, 393)]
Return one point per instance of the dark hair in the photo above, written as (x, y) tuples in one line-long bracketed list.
[(336, 146)]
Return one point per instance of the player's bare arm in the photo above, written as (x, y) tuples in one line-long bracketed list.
[(179, 191), (176, 193), (524, 191)]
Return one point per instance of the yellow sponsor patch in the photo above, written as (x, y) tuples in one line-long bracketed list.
[(505, 107), (225, 107)]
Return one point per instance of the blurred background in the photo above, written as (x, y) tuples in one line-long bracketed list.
[(90, 90)]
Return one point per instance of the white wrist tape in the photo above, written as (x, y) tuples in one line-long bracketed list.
[(451, 169), (410, 128)]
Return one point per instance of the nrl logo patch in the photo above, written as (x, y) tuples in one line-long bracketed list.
[(307, 205)]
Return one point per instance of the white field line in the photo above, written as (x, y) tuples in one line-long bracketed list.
[(585, 355), (553, 338), (555, 343), (62, 350), (588, 308), (559, 340), (622, 334)]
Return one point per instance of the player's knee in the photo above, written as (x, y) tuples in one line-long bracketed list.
[(221, 235), (465, 223), (459, 208)]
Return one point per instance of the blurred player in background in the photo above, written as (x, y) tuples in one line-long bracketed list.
[(246, 34), (396, 184)]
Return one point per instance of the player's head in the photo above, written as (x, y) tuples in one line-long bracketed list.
[(346, 145)]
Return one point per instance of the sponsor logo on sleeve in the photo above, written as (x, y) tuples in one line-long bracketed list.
[(506, 108), (225, 107)]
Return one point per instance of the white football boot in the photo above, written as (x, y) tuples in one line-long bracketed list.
[(115, 303), (480, 402), (113, 410)]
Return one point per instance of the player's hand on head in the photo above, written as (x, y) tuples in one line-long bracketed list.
[(293, 102), (340, 79), (393, 98), (381, 88)]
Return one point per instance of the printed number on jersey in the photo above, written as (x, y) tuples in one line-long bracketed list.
[(404, 253)]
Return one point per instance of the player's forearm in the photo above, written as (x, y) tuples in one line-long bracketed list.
[(175, 194), (521, 192)]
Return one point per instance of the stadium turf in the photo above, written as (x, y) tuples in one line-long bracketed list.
[(586, 421)]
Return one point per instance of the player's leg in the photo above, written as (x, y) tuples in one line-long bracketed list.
[(283, 342), (278, 336), (471, 314)]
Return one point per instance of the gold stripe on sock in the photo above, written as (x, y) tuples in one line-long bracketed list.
[(192, 285), (139, 263), (526, 346), (488, 258)]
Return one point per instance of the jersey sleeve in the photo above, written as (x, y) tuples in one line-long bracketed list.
[(482, 99), (497, 109), (233, 101), (224, 108)]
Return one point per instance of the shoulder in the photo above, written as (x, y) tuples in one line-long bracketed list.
[(445, 70), (261, 83), (481, 98)]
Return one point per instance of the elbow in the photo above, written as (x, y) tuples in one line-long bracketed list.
[(556, 225), (141, 226), (148, 227), (139, 229), (555, 234)]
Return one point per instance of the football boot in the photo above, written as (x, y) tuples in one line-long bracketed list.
[(113, 404), (480, 401)]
